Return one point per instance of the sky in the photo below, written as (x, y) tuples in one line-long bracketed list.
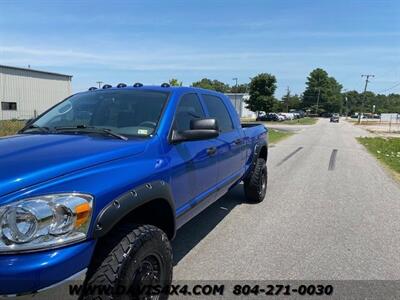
[(153, 41)]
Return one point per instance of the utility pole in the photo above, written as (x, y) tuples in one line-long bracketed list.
[(287, 99), (236, 83), (367, 76), (345, 100), (319, 93), (99, 83)]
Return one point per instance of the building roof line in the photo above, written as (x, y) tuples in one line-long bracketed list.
[(33, 70)]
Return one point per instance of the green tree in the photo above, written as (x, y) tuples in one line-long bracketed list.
[(279, 106), (353, 101), (290, 101), (175, 82), (295, 102), (209, 84), (383, 103), (241, 88), (261, 89), (322, 91), (333, 96)]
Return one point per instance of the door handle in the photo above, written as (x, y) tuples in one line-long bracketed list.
[(238, 141), (211, 151)]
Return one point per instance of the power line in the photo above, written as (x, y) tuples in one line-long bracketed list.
[(390, 88)]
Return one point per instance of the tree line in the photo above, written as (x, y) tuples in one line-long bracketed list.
[(323, 93)]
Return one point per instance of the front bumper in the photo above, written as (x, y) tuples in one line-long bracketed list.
[(60, 290), (27, 273)]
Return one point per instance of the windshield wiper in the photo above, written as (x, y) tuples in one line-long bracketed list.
[(34, 127), (91, 129)]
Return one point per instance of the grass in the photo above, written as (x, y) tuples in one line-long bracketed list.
[(302, 121), (386, 150), (10, 127), (275, 136)]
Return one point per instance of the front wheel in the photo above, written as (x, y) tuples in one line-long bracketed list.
[(132, 260), (255, 186)]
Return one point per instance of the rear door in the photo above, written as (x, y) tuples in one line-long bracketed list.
[(229, 143)]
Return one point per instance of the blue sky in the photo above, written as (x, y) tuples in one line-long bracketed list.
[(152, 41)]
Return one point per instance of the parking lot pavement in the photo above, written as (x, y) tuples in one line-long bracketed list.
[(331, 212), (288, 127)]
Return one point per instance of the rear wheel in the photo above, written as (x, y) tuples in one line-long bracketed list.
[(255, 186), (132, 259)]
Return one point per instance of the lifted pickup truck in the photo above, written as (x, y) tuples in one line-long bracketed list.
[(99, 184)]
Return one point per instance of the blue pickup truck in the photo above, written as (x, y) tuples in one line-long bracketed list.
[(98, 185)]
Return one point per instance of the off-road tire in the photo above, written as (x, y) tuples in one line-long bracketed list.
[(126, 255), (255, 185)]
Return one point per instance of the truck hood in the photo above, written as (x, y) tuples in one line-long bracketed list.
[(28, 159)]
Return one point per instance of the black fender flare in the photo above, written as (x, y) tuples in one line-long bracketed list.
[(120, 207)]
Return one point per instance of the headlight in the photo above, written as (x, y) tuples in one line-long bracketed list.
[(44, 222)]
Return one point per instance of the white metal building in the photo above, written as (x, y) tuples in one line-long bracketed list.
[(25, 93), (390, 117), (238, 101)]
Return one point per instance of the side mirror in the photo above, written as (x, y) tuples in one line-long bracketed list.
[(204, 124), (200, 129)]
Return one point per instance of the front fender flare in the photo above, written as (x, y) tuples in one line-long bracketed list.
[(120, 207)]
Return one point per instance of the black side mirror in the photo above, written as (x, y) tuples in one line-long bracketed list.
[(200, 129), (204, 124)]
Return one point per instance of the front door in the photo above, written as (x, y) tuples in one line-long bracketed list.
[(194, 170)]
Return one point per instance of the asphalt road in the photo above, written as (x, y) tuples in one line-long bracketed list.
[(323, 218)]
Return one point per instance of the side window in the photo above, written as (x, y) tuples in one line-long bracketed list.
[(189, 108), (217, 110)]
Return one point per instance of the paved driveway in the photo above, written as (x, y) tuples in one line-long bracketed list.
[(331, 212)]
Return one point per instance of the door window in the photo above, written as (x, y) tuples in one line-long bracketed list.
[(189, 108), (217, 110)]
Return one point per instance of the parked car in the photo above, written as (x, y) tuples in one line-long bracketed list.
[(268, 117), (335, 118), (288, 116), (376, 116), (300, 112), (326, 115), (98, 185)]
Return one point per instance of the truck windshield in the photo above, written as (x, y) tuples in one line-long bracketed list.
[(124, 112)]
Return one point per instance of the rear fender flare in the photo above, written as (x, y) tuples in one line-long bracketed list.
[(256, 154)]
